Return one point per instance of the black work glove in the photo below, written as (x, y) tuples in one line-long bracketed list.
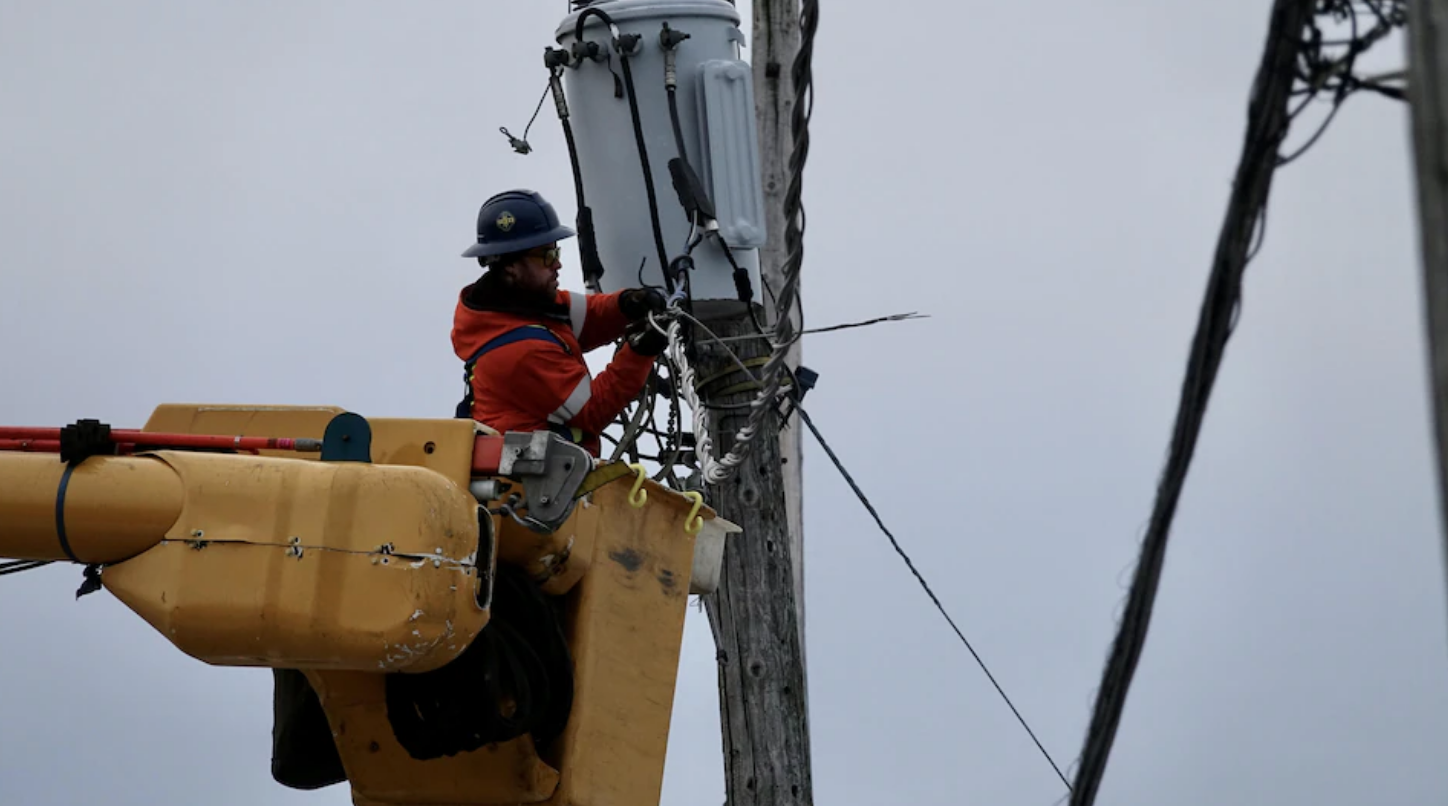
[(645, 339), (637, 303)]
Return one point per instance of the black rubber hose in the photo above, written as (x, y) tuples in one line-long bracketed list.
[(670, 40), (592, 267), (591, 12), (587, 239), (678, 129), (633, 108)]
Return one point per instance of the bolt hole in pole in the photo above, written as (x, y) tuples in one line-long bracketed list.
[(429, 447)]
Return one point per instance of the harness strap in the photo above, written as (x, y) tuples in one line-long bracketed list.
[(517, 334)]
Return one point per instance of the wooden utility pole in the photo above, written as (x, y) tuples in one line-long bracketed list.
[(776, 42), (1428, 99), (752, 613), (757, 613)]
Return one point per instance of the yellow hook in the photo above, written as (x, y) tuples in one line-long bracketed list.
[(638, 496), (693, 522)]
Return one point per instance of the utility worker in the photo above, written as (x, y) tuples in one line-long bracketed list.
[(523, 340)]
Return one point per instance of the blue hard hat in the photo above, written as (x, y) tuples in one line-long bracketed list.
[(515, 221)]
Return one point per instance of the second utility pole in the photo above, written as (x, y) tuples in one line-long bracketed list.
[(757, 613), (1428, 97)]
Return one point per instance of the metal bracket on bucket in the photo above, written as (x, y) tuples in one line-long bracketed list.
[(551, 470)]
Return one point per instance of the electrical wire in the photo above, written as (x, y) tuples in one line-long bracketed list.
[(802, 76), (590, 265), (702, 436), (520, 144), (860, 494), (1323, 73), (712, 471), (634, 424), (896, 317), (1268, 121), (17, 566), (649, 191)]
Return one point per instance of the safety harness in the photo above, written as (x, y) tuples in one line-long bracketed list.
[(517, 334)]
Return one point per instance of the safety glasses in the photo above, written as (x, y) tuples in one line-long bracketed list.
[(549, 256)]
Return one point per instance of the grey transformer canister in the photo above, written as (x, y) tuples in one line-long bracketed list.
[(658, 111)]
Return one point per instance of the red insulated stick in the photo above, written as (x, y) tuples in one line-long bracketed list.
[(48, 436), (37, 445), (487, 449)]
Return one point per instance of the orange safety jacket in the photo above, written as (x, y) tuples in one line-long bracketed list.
[(524, 367)]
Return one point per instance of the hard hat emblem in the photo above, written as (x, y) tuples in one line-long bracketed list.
[(506, 221)]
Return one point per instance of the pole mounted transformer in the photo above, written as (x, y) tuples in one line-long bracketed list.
[(658, 110)]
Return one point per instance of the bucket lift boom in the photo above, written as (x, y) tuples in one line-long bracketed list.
[(365, 558)]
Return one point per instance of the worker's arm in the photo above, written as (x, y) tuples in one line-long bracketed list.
[(550, 384), (604, 320), (607, 316)]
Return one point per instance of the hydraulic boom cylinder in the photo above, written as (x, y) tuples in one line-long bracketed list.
[(104, 510)]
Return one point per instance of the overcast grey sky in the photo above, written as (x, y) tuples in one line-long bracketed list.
[(175, 175)]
